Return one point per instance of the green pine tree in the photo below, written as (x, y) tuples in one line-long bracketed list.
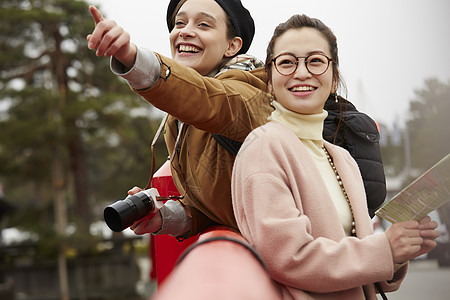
[(69, 128)]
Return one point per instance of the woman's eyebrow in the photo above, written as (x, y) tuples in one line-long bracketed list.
[(206, 15), (317, 52), (201, 14), (307, 54)]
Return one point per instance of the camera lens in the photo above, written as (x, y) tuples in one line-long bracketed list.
[(123, 213)]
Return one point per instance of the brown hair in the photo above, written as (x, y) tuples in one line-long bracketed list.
[(300, 21)]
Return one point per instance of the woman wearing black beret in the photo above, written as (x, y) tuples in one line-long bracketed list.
[(206, 103), (207, 92)]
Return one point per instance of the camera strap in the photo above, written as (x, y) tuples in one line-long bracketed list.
[(155, 139), (152, 172)]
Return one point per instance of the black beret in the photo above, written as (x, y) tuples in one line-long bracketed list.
[(240, 18)]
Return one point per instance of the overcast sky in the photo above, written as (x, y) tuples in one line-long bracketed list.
[(387, 47)]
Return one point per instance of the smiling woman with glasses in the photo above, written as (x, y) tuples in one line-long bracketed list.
[(299, 200), (287, 63)]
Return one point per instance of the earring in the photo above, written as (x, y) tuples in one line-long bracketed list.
[(336, 98), (272, 99)]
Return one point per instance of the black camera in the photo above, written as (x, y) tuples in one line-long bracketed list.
[(123, 213)]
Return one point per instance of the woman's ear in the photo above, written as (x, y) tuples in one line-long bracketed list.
[(234, 46), (271, 91)]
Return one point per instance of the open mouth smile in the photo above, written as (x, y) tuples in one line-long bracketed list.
[(302, 89), (188, 49)]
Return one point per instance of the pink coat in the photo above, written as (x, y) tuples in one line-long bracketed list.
[(284, 210)]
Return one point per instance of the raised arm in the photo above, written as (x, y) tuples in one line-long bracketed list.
[(109, 39)]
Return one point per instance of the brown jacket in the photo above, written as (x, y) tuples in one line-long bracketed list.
[(232, 105)]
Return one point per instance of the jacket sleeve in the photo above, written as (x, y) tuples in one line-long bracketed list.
[(223, 105), (272, 221), (143, 74)]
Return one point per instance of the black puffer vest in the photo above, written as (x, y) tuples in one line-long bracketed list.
[(359, 135)]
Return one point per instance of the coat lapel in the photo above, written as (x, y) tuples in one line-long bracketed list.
[(353, 184)]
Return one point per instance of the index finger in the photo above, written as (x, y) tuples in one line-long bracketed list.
[(96, 14), (411, 224), (425, 219)]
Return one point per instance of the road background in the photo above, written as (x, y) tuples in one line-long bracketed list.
[(424, 280)]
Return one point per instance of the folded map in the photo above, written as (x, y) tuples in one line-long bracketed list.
[(427, 193)]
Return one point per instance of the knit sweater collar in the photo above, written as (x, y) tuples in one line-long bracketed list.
[(309, 127)]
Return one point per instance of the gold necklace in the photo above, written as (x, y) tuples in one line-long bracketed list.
[(338, 178)]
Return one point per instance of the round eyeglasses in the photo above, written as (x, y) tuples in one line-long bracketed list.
[(316, 64)]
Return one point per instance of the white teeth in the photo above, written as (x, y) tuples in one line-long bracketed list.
[(184, 48), (302, 88)]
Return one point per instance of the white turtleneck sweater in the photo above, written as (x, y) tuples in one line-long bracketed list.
[(308, 128)]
